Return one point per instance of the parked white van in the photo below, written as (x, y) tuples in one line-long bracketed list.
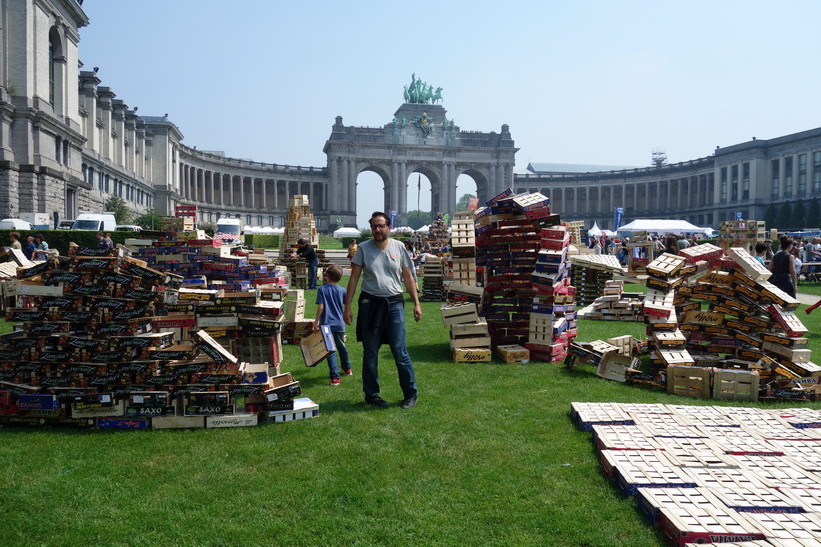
[(99, 222), (229, 231), (14, 224)]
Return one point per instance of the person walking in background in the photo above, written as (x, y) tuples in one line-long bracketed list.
[(671, 245), (383, 264), (783, 268), (760, 252), (41, 247), (352, 247), (309, 255), (330, 302), (102, 244), (30, 248)]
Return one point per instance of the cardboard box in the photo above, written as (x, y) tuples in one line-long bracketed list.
[(118, 409), (513, 354), (304, 408), (123, 423), (177, 422), (471, 355), (318, 346), (282, 387), (237, 420)]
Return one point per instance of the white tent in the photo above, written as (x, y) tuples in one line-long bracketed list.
[(347, 232), (402, 230), (595, 231), (662, 226), (424, 229)]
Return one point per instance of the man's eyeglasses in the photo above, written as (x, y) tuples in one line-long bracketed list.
[(378, 226)]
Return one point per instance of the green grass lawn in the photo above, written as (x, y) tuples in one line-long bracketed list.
[(488, 457)]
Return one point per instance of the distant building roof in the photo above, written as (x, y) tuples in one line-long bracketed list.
[(548, 168)]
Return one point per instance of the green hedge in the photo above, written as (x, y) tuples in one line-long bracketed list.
[(59, 239), (263, 241)]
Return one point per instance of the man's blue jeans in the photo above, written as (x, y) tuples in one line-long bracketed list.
[(395, 334), (312, 273)]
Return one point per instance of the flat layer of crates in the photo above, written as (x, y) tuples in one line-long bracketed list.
[(714, 481)]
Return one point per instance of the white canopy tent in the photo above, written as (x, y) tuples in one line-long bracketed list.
[(595, 231), (347, 232), (663, 226), (424, 229), (402, 230)]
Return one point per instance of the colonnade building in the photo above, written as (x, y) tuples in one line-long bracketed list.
[(744, 178), (67, 144)]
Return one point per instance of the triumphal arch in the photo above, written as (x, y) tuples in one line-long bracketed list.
[(419, 139)]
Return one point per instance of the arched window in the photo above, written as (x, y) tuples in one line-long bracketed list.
[(56, 71)]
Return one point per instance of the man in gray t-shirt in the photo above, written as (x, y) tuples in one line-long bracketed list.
[(383, 264)]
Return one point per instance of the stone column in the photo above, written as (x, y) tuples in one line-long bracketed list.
[(343, 185), (351, 185), (242, 191), (196, 179), (333, 167), (231, 190), (396, 186)]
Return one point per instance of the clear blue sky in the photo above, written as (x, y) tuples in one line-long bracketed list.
[(595, 82)]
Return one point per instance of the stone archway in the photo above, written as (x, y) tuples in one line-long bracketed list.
[(419, 139)]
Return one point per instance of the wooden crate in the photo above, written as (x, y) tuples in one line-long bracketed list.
[(459, 312), (688, 524), (794, 528), (622, 437), (470, 335), (758, 500), (651, 500), (614, 364), (735, 385), (586, 415), (688, 381), (752, 267), (666, 266)]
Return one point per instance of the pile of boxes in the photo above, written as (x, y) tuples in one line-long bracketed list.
[(432, 272), (299, 224), (615, 304), (589, 274), (438, 233), (463, 248), (741, 233), (716, 327), (641, 251), (469, 336), (528, 300), (112, 342)]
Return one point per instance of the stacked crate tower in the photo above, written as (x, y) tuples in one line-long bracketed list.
[(463, 248), (299, 224), (514, 237)]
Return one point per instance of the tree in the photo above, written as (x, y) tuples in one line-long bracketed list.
[(464, 202), (769, 216), (799, 215), (417, 219), (814, 214), (148, 221), (118, 206), (783, 220)]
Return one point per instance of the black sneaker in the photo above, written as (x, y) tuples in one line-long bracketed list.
[(376, 401), (408, 402)]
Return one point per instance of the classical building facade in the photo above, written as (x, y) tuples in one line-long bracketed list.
[(744, 178), (67, 144)]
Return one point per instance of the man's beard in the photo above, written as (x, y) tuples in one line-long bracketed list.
[(380, 236)]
